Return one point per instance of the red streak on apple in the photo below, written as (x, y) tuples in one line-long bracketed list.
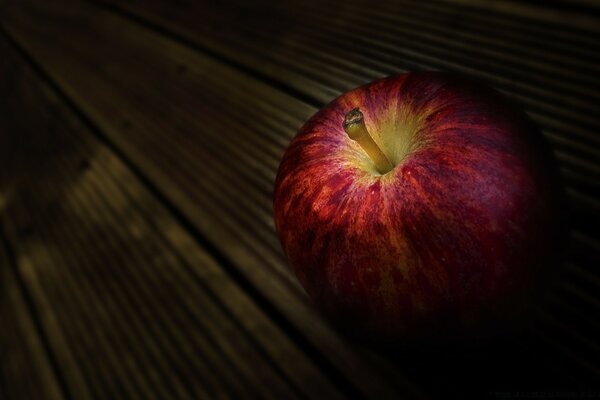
[(453, 239)]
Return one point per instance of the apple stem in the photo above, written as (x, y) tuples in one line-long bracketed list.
[(354, 125)]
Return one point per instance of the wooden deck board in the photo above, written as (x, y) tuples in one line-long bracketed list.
[(131, 308), (144, 233), (25, 370), (579, 159), (15, 172), (212, 196), (334, 59), (341, 29), (339, 48)]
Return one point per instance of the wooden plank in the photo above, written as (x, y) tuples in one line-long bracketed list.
[(162, 148), (302, 24), (311, 49), (533, 12), (514, 59), (294, 61), (130, 316), (242, 356), (529, 84), (257, 200), (587, 169), (25, 367), (513, 35), (130, 319), (199, 359), (246, 312), (58, 342), (16, 171), (86, 297), (40, 103), (75, 316), (300, 52), (73, 329), (573, 152)]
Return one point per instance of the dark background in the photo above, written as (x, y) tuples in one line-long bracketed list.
[(139, 141)]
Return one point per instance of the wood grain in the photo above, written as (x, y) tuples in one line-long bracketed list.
[(341, 47), (131, 304), (143, 230), (25, 370), (198, 177)]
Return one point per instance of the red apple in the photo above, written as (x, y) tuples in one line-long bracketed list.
[(451, 241)]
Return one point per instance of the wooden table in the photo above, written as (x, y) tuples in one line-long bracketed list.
[(139, 142)]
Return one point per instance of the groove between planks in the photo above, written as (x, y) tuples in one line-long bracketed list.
[(316, 335), (71, 234), (589, 168), (25, 370), (559, 141)]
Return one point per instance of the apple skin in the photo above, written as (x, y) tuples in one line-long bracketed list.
[(453, 242)]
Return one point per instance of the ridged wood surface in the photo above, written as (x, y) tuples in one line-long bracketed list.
[(143, 258)]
